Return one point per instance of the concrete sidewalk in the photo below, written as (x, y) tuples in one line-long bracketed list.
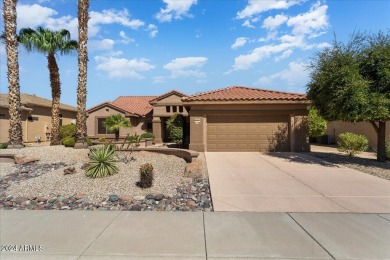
[(165, 235)]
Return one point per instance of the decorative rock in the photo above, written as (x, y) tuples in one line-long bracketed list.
[(190, 203), (69, 170), (84, 166), (139, 198), (159, 197), (80, 196), (113, 198), (126, 198), (41, 199), (20, 200), (65, 208), (136, 208), (150, 197), (23, 159)]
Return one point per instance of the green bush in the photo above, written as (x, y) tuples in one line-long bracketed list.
[(175, 128), (69, 141), (388, 150), (102, 162), (147, 135), (352, 143), (146, 175), (102, 139), (68, 131), (317, 125), (89, 142), (4, 146)]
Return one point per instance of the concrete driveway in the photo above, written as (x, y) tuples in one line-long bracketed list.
[(292, 182)]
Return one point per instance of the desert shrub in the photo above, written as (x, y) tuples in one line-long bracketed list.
[(147, 135), (175, 128), (102, 139), (317, 125), (89, 142), (352, 143), (68, 131), (388, 150), (4, 146), (69, 141), (102, 162), (146, 175)]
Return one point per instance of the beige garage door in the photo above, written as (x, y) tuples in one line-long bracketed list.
[(247, 133)]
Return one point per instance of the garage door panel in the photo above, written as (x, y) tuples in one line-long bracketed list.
[(246, 133)]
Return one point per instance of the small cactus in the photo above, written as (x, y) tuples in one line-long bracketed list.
[(146, 175)]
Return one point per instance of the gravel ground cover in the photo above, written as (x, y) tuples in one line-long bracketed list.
[(44, 185), (365, 162)]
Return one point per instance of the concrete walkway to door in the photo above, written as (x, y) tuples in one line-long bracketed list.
[(291, 182)]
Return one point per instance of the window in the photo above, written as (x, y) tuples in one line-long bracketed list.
[(101, 128), (181, 109), (174, 109), (2, 115), (168, 109), (32, 118), (149, 126)]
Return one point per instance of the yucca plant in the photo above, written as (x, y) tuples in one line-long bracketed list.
[(146, 175), (102, 162)]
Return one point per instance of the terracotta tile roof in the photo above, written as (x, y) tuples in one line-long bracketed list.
[(167, 94), (239, 93), (28, 100), (138, 105)]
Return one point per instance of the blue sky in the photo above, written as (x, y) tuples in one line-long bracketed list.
[(148, 47)]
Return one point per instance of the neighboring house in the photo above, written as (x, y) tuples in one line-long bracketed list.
[(335, 128), (230, 119), (36, 117)]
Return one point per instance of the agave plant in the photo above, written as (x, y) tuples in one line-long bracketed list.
[(102, 162)]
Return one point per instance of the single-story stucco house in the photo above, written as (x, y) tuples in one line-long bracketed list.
[(36, 117), (335, 128), (229, 119)]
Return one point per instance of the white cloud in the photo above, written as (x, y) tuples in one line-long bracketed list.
[(188, 66), (123, 68), (271, 23), (175, 10), (311, 22), (284, 55), (101, 45), (255, 7), (247, 24), (124, 38), (27, 17), (241, 41), (296, 76), (153, 30)]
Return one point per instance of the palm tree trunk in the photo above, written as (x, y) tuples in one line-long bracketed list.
[(56, 96), (81, 134), (15, 112)]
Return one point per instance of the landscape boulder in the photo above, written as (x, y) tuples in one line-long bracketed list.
[(23, 159)]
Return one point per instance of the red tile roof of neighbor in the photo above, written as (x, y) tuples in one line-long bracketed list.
[(138, 105), (239, 93)]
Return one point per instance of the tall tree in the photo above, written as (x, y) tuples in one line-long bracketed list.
[(50, 43), (81, 134), (11, 43), (351, 82)]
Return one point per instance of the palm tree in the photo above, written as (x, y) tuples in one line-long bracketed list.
[(81, 119), (115, 122), (50, 43), (11, 43)]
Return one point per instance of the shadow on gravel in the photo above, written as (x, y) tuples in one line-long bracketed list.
[(304, 158)]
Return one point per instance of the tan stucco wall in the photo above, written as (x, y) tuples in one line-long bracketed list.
[(159, 108), (138, 123), (32, 129), (337, 127), (199, 114)]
